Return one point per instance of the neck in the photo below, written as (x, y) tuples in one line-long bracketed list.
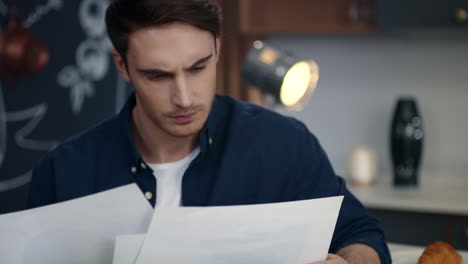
[(156, 145)]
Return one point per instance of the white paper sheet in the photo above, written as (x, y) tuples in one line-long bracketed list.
[(77, 231), (292, 232), (127, 248)]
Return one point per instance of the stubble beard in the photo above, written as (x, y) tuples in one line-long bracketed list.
[(185, 130)]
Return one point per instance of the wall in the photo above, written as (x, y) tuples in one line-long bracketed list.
[(362, 75)]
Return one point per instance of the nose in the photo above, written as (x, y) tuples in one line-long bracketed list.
[(182, 96)]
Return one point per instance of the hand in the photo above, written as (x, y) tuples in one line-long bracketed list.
[(332, 259)]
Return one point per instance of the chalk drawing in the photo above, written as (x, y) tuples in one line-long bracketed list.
[(91, 16), (3, 9), (3, 128), (92, 55), (35, 114), (68, 76), (92, 65), (79, 92), (15, 182), (92, 60), (42, 10)]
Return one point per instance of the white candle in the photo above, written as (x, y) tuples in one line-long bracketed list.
[(362, 165)]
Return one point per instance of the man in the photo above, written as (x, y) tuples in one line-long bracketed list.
[(185, 146)]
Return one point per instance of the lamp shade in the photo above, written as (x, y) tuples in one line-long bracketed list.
[(289, 80)]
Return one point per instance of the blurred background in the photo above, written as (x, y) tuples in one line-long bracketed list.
[(75, 89), (370, 53)]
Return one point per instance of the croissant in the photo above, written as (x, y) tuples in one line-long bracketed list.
[(440, 253)]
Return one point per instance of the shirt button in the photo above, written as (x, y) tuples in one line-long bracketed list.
[(143, 165), (134, 170), (148, 195), (210, 141)]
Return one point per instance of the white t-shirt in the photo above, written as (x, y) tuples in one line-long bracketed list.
[(169, 180)]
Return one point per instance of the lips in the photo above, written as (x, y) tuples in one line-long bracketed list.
[(184, 118)]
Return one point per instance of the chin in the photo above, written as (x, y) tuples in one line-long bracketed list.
[(188, 130)]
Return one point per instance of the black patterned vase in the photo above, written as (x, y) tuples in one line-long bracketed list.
[(406, 142)]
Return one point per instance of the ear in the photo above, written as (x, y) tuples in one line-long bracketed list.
[(120, 64), (218, 47)]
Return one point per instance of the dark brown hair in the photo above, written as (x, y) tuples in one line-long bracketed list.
[(126, 16)]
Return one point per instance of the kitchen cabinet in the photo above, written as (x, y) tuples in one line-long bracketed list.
[(459, 232), (401, 14), (306, 16), (413, 228), (423, 228)]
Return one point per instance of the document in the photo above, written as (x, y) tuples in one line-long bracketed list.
[(127, 248), (291, 232), (76, 231)]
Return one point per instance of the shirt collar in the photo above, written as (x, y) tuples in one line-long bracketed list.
[(208, 134), (124, 119)]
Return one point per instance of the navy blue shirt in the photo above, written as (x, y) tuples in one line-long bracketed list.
[(248, 155)]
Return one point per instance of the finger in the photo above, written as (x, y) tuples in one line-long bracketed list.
[(333, 256), (329, 257)]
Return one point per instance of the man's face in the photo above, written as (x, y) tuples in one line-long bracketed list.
[(173, 70)]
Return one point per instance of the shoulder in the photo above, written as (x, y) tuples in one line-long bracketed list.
[(70, 170), (259, 120), (84, 144)]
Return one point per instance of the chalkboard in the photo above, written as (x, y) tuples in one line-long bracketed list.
[(78, 88)]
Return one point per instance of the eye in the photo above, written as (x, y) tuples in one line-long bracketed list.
[(197, 69), (156, 77)]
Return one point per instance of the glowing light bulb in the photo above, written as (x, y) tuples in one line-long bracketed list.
[(296, 83)]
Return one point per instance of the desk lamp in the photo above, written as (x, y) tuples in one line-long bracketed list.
[(289, 80)]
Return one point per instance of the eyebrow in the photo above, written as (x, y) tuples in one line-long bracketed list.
[(162, 72), (201, 61)]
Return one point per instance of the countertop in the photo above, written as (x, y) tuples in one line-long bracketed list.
[(440, 192), (408, 254)]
